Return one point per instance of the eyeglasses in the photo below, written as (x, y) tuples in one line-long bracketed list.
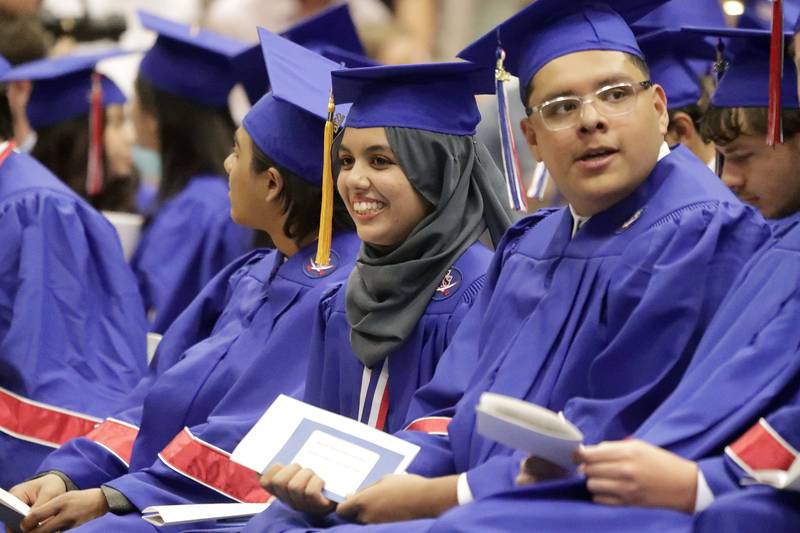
[(612, 100)]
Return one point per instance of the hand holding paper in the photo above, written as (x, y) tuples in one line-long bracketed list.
[(12, 510), (529, 428), (344, 453)]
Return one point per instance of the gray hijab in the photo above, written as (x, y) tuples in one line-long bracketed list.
[(390, 288)]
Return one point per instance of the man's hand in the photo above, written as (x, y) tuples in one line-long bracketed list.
[(401, 497), (535, 469), (40, 490), (66, 511), (297, 487), (633, 472)]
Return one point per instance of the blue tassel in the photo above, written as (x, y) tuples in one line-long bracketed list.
[(516, 197)]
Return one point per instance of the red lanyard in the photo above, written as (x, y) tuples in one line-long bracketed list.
[(6, 152)]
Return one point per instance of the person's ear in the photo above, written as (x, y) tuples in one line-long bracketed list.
[(660, 105), (274, 184), (681, 129), (530, 137)]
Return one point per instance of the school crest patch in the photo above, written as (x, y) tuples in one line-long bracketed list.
[(448, 286), (315, 271)]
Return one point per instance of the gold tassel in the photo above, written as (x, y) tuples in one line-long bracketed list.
[(326, 211)]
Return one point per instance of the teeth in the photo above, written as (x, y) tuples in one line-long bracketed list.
[(367, 207)]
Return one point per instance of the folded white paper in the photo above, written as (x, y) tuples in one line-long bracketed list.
[(170, 515), (528, 427), (346, 454), (780, 479), (12, 510)]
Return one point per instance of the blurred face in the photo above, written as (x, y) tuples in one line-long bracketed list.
[(145, 124), (380, 199), (117, 141), (248, 190), (601, 159), (767, 178)]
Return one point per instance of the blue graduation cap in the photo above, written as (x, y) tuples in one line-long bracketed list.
[(193, 63), (745, 82), (287, 123), (330, 33), (437, 97), (548, 29), (62, 86), (674, 57), (293, 124), (678, 13)]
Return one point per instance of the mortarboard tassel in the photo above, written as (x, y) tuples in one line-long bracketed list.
[(720, 66), (94, 172), (774, 123), (516, 198), (326, 211)]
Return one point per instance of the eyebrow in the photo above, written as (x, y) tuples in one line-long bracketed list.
[(371, 149), (610, 80)]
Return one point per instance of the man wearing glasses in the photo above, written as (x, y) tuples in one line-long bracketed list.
[(593, 309)]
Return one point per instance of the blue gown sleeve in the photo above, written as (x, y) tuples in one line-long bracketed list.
[(88, 461)]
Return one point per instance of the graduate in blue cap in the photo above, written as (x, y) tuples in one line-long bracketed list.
[(681, 62), (586, 309), (77, 114), (421, 191), (251, 322), (181, 108), (72, 341), (737, 122)]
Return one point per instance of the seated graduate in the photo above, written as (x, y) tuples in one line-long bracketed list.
[(762, 175), (74, 132), (181, 107), (421, 191), (593, 317), (72, 330), (695, 452), (680, 62), (276, 186)]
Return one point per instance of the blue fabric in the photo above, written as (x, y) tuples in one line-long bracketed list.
[(62, 86), (189, 240), (756, 508), (558, 307), (211, 345), (275, 351), (437, 97), (335, 373), (72, 330), (190, 347)]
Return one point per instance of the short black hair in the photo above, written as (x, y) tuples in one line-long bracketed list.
[(637, 61), (6, 120), (722, 125), (301, 200)]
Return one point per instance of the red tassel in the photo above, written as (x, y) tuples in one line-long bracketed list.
[(94, 170), (774, 126)]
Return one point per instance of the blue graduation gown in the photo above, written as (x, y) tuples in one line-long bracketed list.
[(200, 358), (335, 374), (269, 353), (72, 329), (189, 240), (745, 367)]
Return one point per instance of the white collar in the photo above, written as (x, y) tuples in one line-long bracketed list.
[(578, 221)]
